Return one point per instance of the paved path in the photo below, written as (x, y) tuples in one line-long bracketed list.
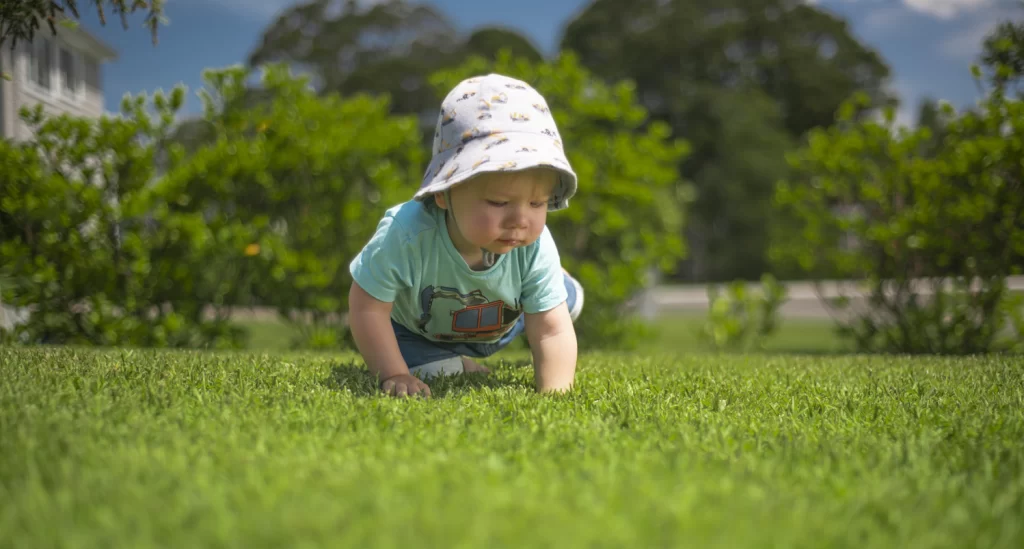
[(802, 301)]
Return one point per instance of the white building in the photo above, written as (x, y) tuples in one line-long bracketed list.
[(63, 72)]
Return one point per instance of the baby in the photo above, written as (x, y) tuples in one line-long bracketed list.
[(468, 264)]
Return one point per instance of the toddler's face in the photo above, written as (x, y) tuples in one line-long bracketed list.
[(499, 211)]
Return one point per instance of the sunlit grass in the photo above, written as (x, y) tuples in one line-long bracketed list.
[(188, 449)]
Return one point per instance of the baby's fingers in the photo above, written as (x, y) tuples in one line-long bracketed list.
[(404, 386), (424, 389), (390, 387)]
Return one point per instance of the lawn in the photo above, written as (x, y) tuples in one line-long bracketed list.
[(108, 448)]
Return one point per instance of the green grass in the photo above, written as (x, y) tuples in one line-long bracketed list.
[(199, 449), (268, 335), (678, 332)]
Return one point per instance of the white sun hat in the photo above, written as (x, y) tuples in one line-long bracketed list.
[(495, 123)]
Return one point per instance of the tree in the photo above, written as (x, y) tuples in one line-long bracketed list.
[(935, 236), (735, 165), (932, 115), (1003, 54), (733, 78), (389, 48), (803, 57), (20, 19), (488, 41)]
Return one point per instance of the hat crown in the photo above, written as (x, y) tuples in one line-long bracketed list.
[(495, 123), (482, 106)]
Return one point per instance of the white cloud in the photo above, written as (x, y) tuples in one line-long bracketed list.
[(887, 18), (946, 9), (965, 43), (906, 115), (906, 112)]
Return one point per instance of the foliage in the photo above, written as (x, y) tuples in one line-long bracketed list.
[(802, 56), (1003, 54), (310, 175), (743, 318), (935, 235), (627, 215), (389, 48), (740, 161), (142, 449), (119, 236), (742, 81), (20, 19), (489, 41), (97, 254)]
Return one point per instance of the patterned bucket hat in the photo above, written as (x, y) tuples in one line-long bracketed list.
[(495, 123)]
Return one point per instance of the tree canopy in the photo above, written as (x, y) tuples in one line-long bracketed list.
[(21, 19), (741, 80)]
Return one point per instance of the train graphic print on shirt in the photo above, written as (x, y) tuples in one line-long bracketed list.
[(449, 315)]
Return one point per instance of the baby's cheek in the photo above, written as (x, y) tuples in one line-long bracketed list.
[(538, 222), (484, 223)]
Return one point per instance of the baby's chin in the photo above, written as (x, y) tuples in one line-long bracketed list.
[(500, 247)]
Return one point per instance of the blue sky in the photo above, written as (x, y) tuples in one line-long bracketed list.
[(929, 44)]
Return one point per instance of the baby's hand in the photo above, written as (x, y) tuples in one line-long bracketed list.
[(405, 385)]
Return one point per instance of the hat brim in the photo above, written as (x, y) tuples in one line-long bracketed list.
[(500, 152)]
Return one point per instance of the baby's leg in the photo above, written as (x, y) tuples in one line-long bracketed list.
[(441, 367), (427, 359), (575, 295), (423, 357)]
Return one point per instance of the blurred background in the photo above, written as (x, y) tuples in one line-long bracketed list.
[(200, 172)]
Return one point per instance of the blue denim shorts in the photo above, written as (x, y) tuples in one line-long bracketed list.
[(418, 350)]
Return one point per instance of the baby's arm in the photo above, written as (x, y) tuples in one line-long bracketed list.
[(553, 342), (370, 322)]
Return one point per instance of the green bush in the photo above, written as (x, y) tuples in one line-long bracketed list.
[(121, 231), (933, 235), (92, 250), (309, 174), (630, 207), (742, 318)]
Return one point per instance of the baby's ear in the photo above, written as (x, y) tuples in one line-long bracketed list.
[(440, 201)]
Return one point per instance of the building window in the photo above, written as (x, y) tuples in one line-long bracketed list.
[(92, 72), (40, 54), (68, 74)]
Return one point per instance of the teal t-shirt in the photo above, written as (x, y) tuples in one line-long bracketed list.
[(412, 263)]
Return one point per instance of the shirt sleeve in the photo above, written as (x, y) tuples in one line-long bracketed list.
[(543, 280), (379, 268)]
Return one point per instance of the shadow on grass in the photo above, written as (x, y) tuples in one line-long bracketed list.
[(354, 377)]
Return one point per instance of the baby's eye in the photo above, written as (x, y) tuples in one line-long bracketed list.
[(538, 204), (496, 203)]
